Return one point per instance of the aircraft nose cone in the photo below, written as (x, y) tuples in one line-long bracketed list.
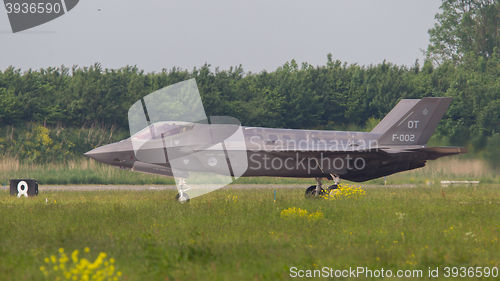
[(104, 154), (98, 154), (116, 154), (92, 153)]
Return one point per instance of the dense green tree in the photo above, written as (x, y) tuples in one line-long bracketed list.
[(333, 96), (464, 27), (9, 108)]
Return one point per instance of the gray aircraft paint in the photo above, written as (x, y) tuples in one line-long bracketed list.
[(172, 136)]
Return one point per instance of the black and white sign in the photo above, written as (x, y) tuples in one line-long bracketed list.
[(23, 188)]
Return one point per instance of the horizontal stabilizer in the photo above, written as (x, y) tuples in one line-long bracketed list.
[(438, 152)]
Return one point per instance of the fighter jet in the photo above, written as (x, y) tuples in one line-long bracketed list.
[(171, 136)]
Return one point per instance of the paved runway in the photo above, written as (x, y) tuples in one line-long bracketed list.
[(172, 187)]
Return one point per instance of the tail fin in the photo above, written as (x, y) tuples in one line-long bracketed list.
[(412, 122), (397, 112)]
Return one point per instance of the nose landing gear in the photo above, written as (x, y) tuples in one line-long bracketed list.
[(182, 196)]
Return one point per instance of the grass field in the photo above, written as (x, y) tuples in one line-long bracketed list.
[(239, 234)]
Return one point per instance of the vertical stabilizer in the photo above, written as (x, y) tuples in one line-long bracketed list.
[(397, 112), (416, 125)]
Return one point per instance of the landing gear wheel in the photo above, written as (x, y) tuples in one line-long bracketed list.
[(332, 187), (184, 198), (311, 192)]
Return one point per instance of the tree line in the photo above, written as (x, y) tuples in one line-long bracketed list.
[(462, 61), (332, 96)]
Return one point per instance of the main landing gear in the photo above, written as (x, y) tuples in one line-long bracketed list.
[(317, 190)]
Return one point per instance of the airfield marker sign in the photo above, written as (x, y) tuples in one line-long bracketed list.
[(23, 187)]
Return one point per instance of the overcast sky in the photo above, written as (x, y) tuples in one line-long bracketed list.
[(157, 34)]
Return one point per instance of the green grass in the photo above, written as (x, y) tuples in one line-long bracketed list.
[(83, 171), (238, 234), (88, 171)]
